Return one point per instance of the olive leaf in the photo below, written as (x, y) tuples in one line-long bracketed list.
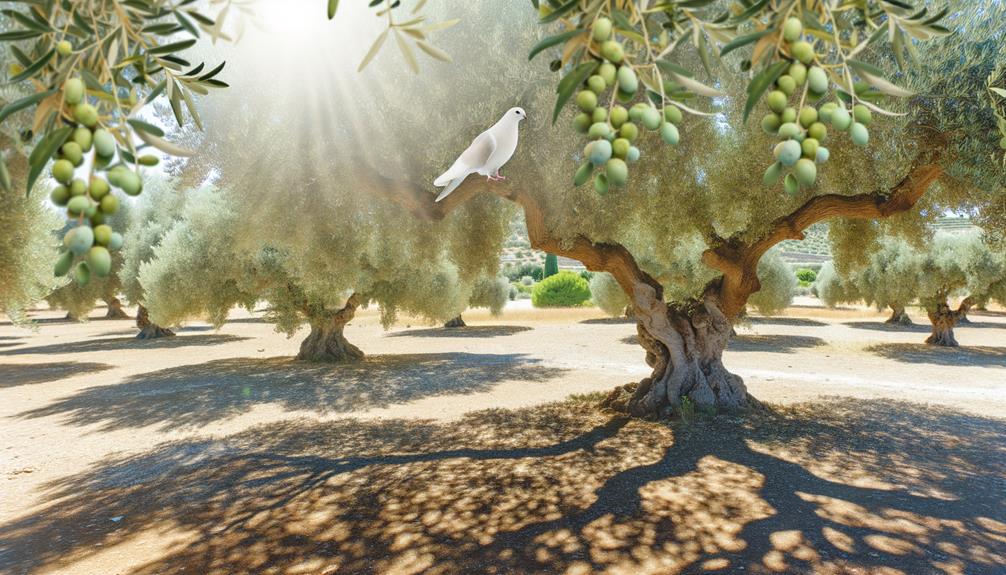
[(569, 83), (43, 152), (555, 40), (374, 49), (23, 103), (333, 5), (410, 56), (433, 51), (762, 82)]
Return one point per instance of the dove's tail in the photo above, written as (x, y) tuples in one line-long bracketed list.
[(458, 170), (451, 187)]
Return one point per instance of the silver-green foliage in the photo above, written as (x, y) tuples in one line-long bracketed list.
[(491, 293), (152, 216), (608, 295), (778, 285), (28, 252), (898, 272)]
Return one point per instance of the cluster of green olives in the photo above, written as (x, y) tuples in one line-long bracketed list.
[(89, 199), (804, 131), (613, 129)]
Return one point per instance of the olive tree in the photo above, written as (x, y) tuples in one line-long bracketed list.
[(709, 183), (490, 293), (27, 250), (153, 215), (388, 260), (889, 278), (898, 273)]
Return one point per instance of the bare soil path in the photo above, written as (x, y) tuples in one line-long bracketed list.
[(457, 451)]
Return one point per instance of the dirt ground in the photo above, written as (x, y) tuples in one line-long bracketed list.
[(461, 451)]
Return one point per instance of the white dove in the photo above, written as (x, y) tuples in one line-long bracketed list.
[(487, 154)]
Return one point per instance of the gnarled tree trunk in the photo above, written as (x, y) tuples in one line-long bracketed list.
[(944, 319), (115, 310), (149, 330), (684, 345), (326, 342), (898, 316), (456, 322)]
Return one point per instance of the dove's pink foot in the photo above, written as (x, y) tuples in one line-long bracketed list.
[(499, 178)]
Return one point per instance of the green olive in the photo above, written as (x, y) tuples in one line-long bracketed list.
[(59, 195), (73, 91), (586, 100), (62, 171), (109, 204), (602, 29), (63, 264), (99, 260), (792, 29), (776, 101), (617, 172), (85, 114), (612, 51)]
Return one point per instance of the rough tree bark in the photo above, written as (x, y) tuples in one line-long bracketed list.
[(944, 319), (684, 341), (115, 310), (326, 342), (899, 316), (456, 322), (149, 330)]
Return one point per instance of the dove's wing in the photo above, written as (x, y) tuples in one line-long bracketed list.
[(470, 160)]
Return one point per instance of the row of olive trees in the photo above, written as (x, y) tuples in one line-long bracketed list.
[(898, 273)]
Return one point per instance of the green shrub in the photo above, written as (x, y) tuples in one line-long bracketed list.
[(564, 289), (515, 273), (806, 276), (527, 281)]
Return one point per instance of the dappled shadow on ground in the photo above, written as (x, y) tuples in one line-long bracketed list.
[(891, 327), (773, 343), (196, 395), (840, 486), (126, 343), (608, 321), (922, 353), (14, 375), (467, 331), (791, 321), (126, 331)]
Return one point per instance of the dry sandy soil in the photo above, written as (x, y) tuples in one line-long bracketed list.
[(457, 451)]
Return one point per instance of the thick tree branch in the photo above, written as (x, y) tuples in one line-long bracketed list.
[(608, 257), (739, 262)]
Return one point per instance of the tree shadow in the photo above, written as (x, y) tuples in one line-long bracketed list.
[(128, 331), (248, 320), (608, 321), (126, 343), (779, 320), (839, 486), (194, 396), (959, 356), (193, 328), (773, 343), (14, 375), (471, 331), (890, 327)]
